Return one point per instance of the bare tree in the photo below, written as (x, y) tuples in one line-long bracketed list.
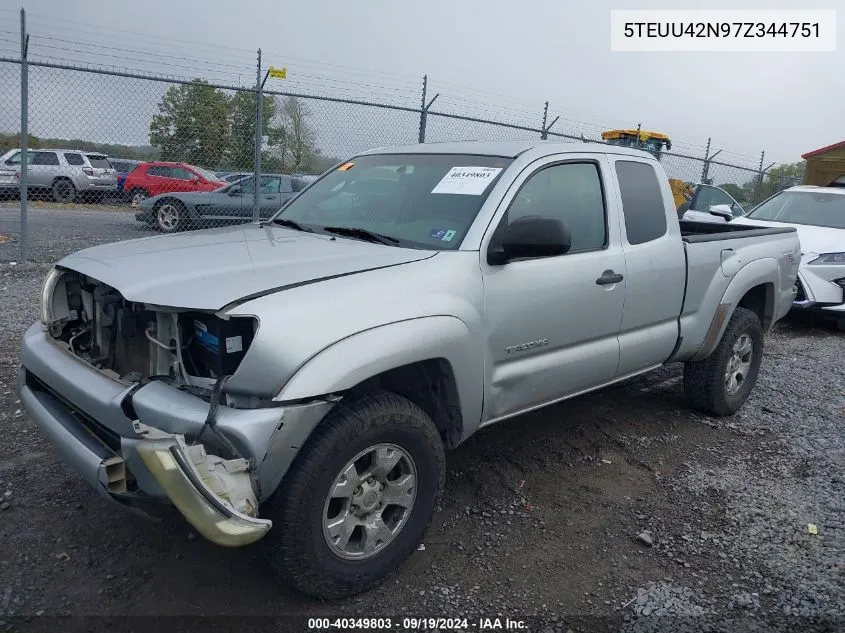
[(292, 139)]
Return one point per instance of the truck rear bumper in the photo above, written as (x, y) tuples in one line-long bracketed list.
[(93, 422)]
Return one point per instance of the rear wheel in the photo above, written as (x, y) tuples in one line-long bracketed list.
[(137, 196), (358, 497), (170, 216), (721, 383), (63, 190)]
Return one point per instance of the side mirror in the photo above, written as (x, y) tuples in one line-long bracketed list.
[(530, 236), (723, 211), (234, 191)]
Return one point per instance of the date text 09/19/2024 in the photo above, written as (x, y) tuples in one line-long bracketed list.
[(417, 624)]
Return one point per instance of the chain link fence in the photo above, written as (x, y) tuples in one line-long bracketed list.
[(173, 154)]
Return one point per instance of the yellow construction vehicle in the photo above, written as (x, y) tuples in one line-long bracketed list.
[(653, 142)]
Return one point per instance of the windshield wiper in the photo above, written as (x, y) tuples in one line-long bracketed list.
[(362, 234), (291, 225)]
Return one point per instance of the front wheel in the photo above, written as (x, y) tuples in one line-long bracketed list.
[(721, 383), (170, 216), (358, 497)]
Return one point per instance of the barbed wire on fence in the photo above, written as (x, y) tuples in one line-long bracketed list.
[(200, 134)]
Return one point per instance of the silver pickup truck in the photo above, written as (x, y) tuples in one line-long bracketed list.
[(298, 380)]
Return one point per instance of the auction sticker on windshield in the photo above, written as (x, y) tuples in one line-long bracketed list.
[(468, 181)]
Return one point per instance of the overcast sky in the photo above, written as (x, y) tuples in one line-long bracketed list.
[(521, 53)]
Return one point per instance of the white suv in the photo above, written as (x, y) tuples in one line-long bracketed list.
[(66, 173)]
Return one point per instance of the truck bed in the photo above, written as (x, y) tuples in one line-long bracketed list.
[(715, 254), (693, 232)]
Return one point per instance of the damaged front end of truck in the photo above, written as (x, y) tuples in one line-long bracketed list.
[(133, 395)]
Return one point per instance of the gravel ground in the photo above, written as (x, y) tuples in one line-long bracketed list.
[(55, 230), (623, 510)]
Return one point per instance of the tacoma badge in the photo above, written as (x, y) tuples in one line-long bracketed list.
[(524, 346)]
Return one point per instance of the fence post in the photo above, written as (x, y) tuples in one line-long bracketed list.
[(424, 108), (259, 119), (543, 134), (24, 133), (759, 176), (706, 166)]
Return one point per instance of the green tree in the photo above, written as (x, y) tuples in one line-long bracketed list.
[(192, 125), (776, 179), (241, 150), (735, 191)]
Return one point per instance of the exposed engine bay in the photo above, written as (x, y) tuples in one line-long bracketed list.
[(203, 473), (135, 342)]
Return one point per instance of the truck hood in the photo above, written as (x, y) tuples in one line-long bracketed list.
[(814, 239), (211, 269)]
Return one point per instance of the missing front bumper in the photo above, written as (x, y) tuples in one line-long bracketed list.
[(213, 515)]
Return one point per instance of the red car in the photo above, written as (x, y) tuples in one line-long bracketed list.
[(157, 177)]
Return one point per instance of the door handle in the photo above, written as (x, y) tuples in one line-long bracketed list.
[(609, 277)]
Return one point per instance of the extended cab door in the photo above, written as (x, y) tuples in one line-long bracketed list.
[(553, 322), (655, 261)]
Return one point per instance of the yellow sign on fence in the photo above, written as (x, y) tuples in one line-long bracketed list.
[(279, 73)]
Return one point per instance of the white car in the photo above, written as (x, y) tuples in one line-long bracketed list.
[(818, 214), (710, 203)]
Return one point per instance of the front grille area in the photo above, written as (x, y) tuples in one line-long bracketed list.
[(104, 436)]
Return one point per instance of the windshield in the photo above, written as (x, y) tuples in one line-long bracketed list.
[(419, 200), (803, 207), (205, 174)]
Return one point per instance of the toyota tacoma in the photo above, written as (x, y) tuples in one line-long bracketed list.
[(297, 381)]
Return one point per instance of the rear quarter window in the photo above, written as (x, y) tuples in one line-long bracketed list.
[(74, 159), (100, 162), (159, 170), (642, 201)]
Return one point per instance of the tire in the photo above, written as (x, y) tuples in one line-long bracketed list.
[(137, 196), (302, 508), (63, 190), (708, 384), (170, 216), (840, 324)]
